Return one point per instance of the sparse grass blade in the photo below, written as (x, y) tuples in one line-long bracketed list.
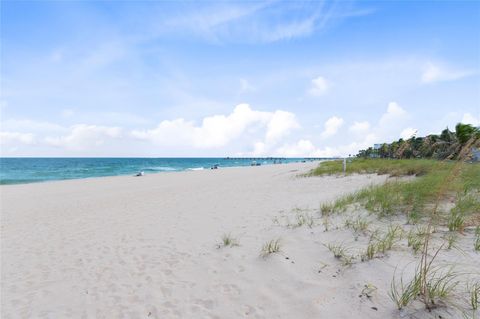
[(228, 241), (456, 221), (403, 294), (340, 251), (270, 247), (476, 242), (358, 225), (474, 291), (451, 239)]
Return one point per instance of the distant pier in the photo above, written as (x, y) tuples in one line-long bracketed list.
[(275, 158), (257, 158)]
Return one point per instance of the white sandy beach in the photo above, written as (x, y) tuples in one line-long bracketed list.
[(146, 247)]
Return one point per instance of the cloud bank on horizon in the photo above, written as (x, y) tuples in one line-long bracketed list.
[(316, 79)]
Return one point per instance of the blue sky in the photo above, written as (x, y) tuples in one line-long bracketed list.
[(217, 78)]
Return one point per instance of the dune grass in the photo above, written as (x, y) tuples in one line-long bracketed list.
[(412, 197), (466, 205), (271, 247), (451, 239), (338, 206), (442, 194), (341, 252), (381, 242), (404, 293), (434, 284), (302, 219), (377, 166), (338, 250), (439, 286), (416, 237), (370, 251), (358, 225), (228, 240), (386, 241), (297, 218)]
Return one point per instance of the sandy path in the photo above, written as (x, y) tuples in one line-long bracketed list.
[(125, 247)]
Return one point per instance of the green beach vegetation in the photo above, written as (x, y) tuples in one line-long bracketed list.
[(432, 196), (412, 196), (446, 145)]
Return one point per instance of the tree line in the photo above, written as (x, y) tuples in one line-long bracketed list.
[(446, 145)]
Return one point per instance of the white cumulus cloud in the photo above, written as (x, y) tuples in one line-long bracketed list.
[(331, 126), (280, 125), (305, 148), (470, 119), (408, 133), (359, 127), (84, 137), (394, 113), (301, 148), (366, 134), (219, 130)]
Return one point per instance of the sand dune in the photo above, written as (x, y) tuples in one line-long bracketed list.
[(126, 247)]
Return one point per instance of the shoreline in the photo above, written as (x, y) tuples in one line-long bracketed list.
[(92, 178), (193, 169)]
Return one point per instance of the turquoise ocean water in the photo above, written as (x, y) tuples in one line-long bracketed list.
[(30, 170)]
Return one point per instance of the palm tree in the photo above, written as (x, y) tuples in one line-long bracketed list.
[(464, 132), (446, 145)]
